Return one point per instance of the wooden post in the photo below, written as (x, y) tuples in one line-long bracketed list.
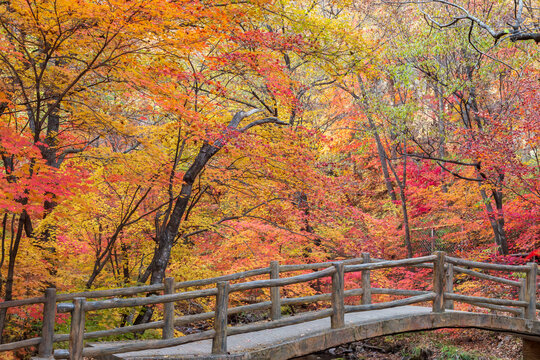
[(432, 235), (275, 312), (76, 334), (366, 281), (522, 295), (219, 343), (47, 331), (338, 288), (449, 304), (168, 311), (438, 282), (530, 294)]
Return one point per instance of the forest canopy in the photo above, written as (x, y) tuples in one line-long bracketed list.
[(150, 138)]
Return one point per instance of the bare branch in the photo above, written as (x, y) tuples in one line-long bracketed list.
[(268, 120)]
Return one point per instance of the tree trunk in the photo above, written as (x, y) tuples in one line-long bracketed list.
[(13, 251), (497, 223), (166, 234), (403, 197), (406, 228), (380, 148)]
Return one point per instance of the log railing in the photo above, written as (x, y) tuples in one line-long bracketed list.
[(441, 296)]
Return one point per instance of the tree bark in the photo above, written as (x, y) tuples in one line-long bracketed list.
[(496, 221), (13, 251), (383, 158)]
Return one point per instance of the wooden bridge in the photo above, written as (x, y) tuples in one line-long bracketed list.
[(284, 337)]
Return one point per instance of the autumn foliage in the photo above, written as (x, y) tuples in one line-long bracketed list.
[(140, 139)]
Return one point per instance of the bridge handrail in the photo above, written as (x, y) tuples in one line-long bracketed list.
[(22, 302), (186, 319), (133, 290), (390, 263), (443, 272), (281, 281), (487, 277), (487, 266), (485, 300), (390, 304), (150, 300)]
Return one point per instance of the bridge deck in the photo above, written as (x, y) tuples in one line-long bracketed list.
[(261, 344)]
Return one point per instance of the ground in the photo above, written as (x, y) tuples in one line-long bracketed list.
[(460, 344)]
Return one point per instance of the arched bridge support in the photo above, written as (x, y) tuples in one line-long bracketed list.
[(414, 321)]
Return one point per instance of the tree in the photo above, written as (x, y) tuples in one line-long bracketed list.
[(515, 20)]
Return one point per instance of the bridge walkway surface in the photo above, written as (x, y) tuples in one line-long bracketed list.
[(301, 339)]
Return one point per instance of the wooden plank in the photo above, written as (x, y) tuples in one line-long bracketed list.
[(499, 308), (134, 290), (314, 266), (477, 299), (219, 343), (390, 304), (154, 299), (281, 282), (306, 299), (187, 319), (438, 282), (530, 293), (389, 264), (485, 276), (94, 294), (399, 292), (285, 321), (20, 344), (275, 312), (338, 288), (76, 335), (47, 329), (215, 280), (22, 302), (168, 310), (64, 307), (113, 332), (353, 292), (366, 282), (488, 266)]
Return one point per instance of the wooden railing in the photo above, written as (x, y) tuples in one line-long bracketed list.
[(441, 296)]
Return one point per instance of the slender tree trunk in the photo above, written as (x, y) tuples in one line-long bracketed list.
[(403, 197), (380, 148), (14, 249), (442, 130), (496, 218), (497, 222), (406, 227)]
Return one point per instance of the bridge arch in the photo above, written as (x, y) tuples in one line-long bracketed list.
[(414, 321)]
